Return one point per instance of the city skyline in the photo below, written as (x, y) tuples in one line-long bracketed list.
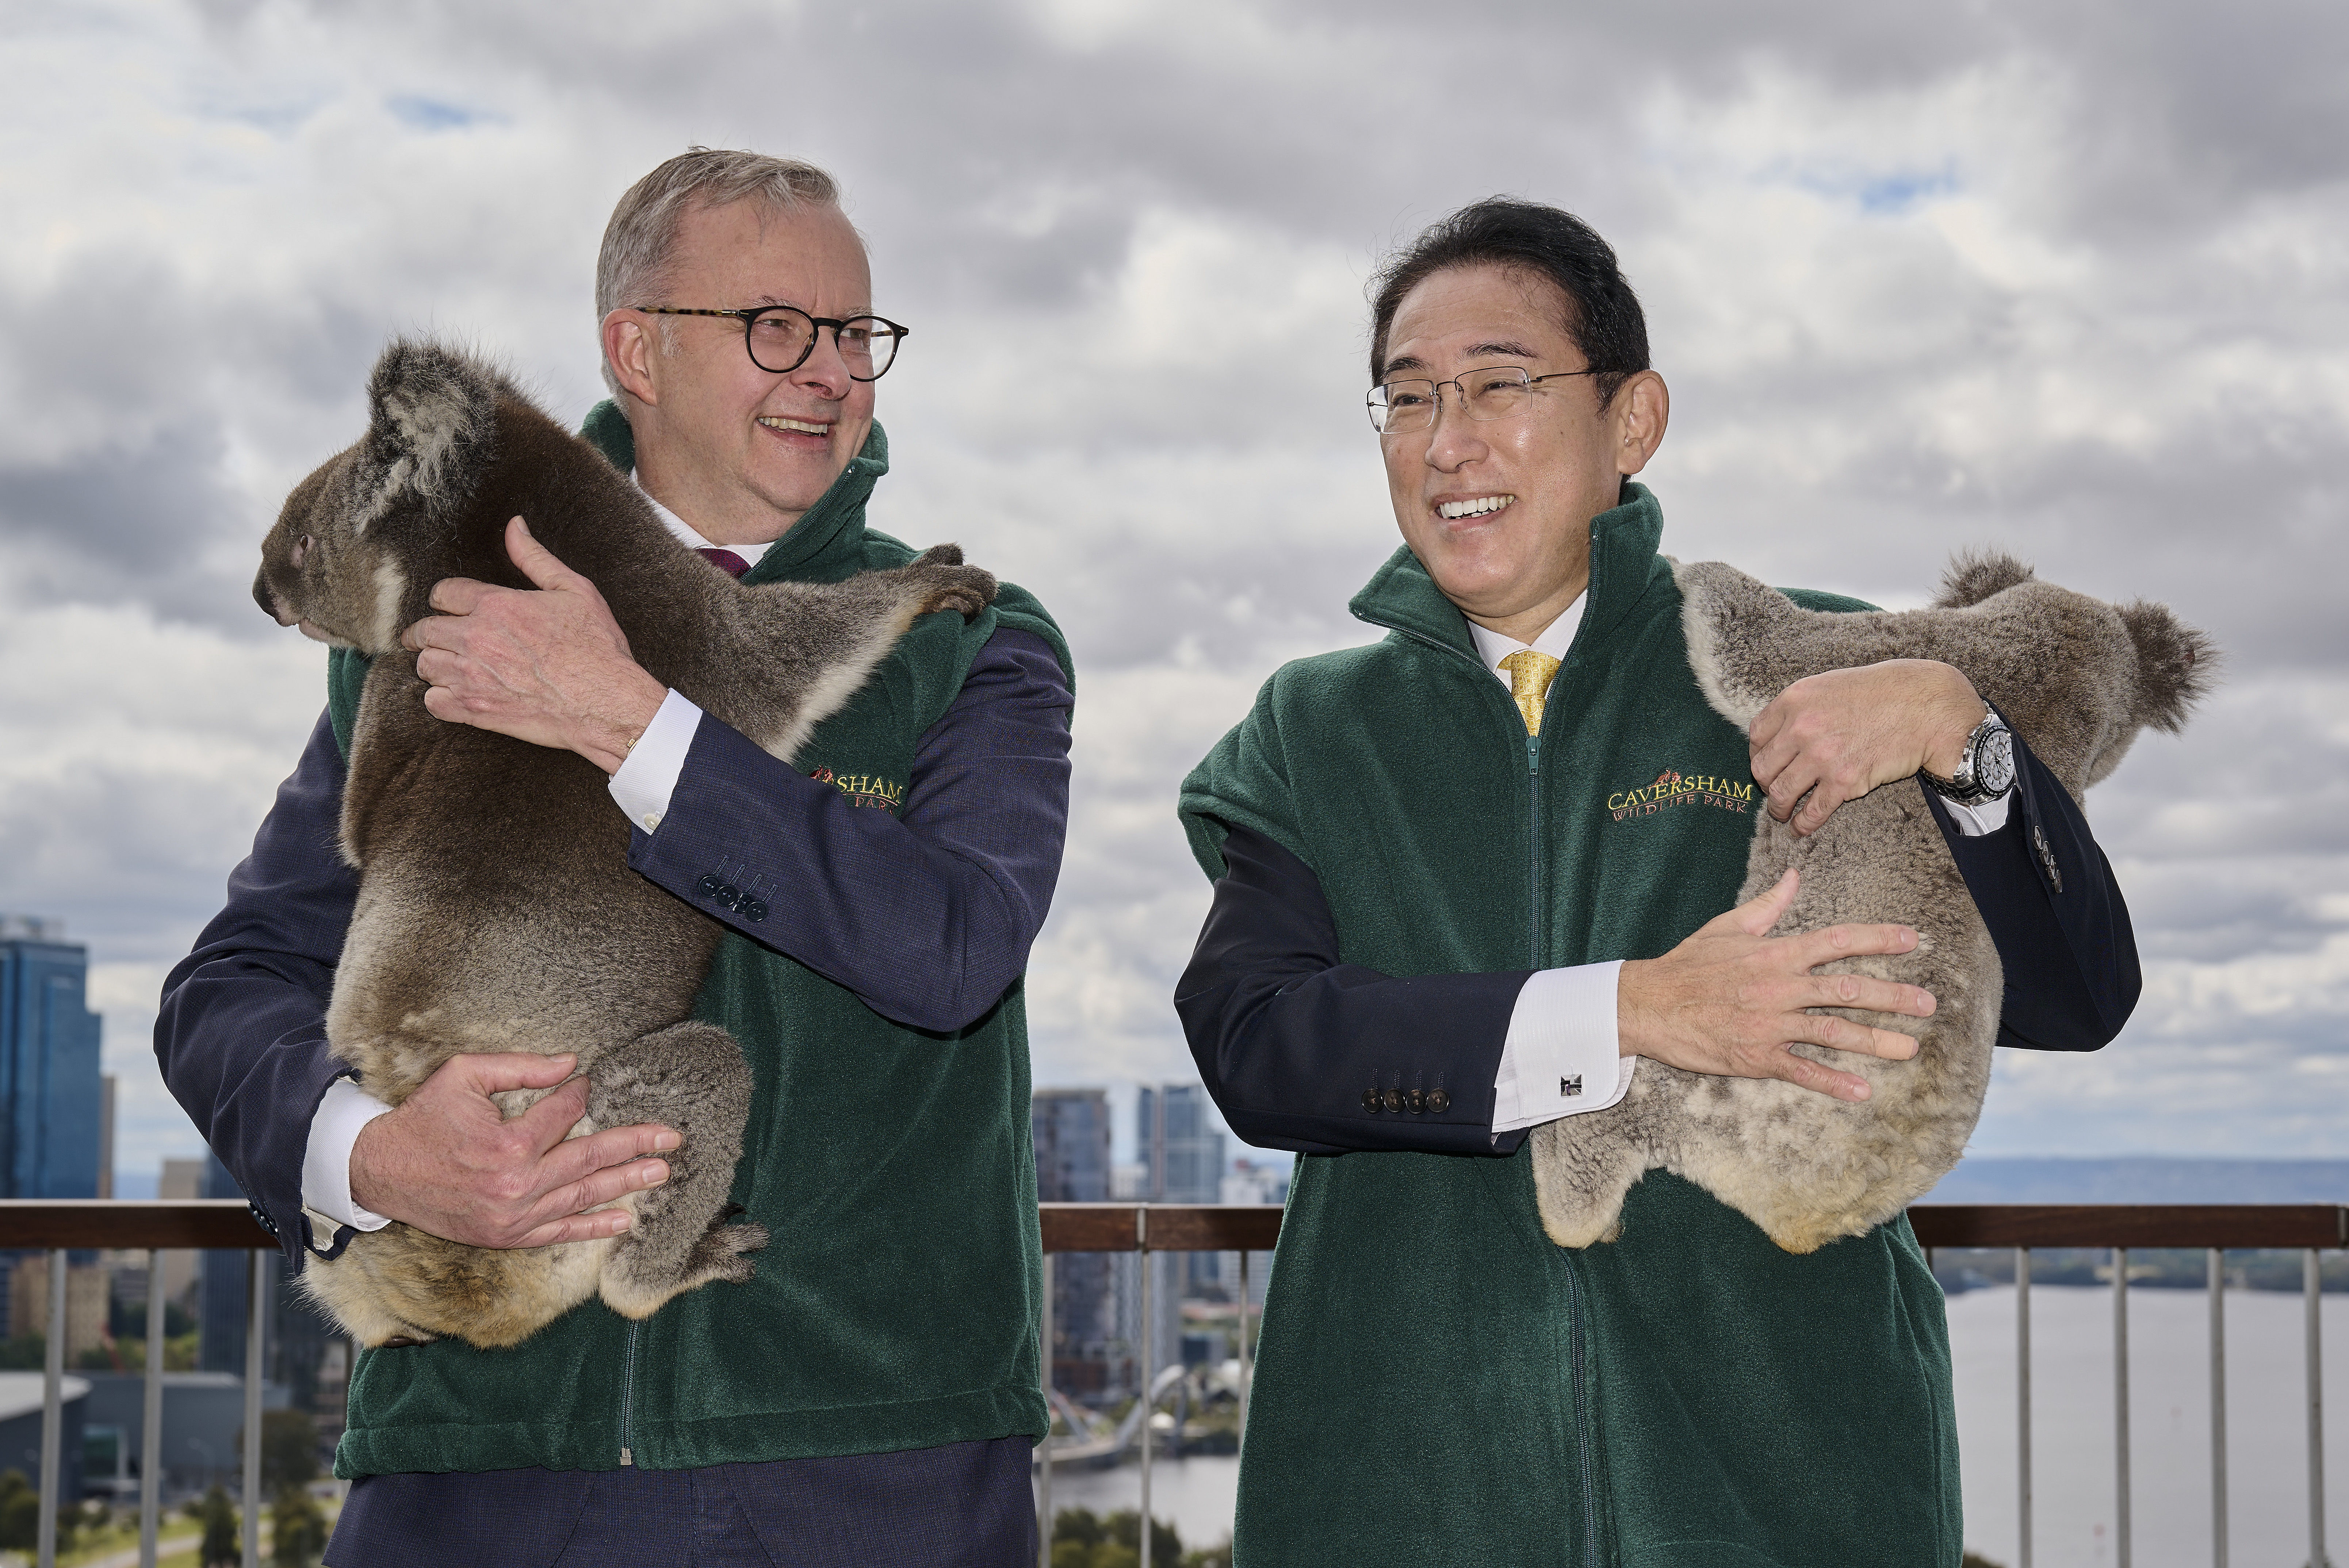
[(1978, 277)]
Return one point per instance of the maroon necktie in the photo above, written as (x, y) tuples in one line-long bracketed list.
[(726, 561)]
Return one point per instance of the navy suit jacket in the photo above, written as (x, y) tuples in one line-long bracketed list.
[(967, 868), (1285, 1034)]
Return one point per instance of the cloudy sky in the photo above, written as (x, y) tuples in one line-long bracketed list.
[(2069, 277)]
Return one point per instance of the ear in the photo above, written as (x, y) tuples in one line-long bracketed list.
[(431, 431), (1973, 576), (1642, 409), (628, 350), (2176, 666)]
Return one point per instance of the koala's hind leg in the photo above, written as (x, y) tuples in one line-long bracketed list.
[(399, 1286), (691, 1077), (1584, 1167)]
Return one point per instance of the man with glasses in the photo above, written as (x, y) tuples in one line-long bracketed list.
[(1432, 932), (871, 1397)]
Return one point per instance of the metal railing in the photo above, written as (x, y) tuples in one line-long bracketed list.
[(221, 1224), (2309, 1228), (1144, 1228)]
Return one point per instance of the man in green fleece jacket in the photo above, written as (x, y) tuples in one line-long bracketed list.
[(1448, 907), (871, 1397)]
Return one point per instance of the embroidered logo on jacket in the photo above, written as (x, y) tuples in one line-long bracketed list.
[(1672, 787), (863, 788)]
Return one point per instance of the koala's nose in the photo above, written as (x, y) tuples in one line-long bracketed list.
[(269, 601)]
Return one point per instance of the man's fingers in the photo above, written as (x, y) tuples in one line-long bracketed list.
[(1804, 1073), (1844, 1035), (460, 595), (580, 1158), (1863, 995), (578, 1228), (1755, 916), (543, 1124), (489, 1072), (601, 1187), (534, 559), (1814, 948)]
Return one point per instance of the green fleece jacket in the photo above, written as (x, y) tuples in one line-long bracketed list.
[(1438, 1383), (897, 1305)]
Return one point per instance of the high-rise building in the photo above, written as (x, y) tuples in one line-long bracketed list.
[(1182, 1157), (1070, 1129), (51, 1137), (1180, 1151)]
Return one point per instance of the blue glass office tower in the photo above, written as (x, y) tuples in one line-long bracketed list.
[(49, 1075)]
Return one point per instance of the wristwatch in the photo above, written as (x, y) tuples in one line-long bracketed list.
[(1985, 768)]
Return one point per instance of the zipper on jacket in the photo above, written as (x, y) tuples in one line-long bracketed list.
[(1536, 902), (1582, 1433), (628, 1397)]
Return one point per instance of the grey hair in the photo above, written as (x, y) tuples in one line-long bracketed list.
[(632, 265)]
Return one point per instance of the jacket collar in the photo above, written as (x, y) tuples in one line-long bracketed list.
[(828, 540), (1403, 597)]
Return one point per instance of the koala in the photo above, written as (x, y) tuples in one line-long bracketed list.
[(496, 910), (2076, 679)]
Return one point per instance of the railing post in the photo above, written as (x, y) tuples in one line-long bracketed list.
[(1248, 1360), (2022, 1404), (1149, 1362), (1044, 1448), (52, 1411), (2121, 1543), (150, 1429), (2312, 1280), (2218, 1408), (256, 1327)]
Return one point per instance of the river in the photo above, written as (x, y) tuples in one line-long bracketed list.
[(2072, 1429)]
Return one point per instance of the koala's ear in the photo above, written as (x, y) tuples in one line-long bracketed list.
[(1973, 575), (2176, 666), (432, 427)]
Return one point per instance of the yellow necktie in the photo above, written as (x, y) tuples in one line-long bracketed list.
[(1530, 678)]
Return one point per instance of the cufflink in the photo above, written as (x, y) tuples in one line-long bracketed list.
[(1569, 1088)]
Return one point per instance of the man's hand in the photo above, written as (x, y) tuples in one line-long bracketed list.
[(1729, 1000), (551, 667), (1836, 736), (446, 1159)]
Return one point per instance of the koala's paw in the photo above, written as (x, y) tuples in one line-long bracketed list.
[(718, 1256), (948, 584)]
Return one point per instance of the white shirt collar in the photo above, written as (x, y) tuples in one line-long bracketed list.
[(683, 530), (1555, 638)]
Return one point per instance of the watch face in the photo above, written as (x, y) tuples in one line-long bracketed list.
[(1994, 771)]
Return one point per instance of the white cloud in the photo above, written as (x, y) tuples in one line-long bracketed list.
[(1978, 276)]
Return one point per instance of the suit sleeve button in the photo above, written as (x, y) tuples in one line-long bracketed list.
[(1418, 1102), (1394, 1099), (753, 909), (1438, 1101), (708, 885), (1370, 1101)]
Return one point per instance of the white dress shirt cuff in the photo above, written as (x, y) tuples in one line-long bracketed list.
[(1562, 1055), (326, 1164), (647, 774), (1974, 821)]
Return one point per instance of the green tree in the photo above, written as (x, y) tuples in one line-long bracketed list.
[(220, 1548), (20, 1512), (1124, 1529), (1080, 1526), (23, 1353), (298, 1530), (289, 1449)]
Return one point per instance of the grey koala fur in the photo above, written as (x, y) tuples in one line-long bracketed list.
[(2078, 679), (496, 910)]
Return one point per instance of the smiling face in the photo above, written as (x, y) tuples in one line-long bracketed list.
[(740, 452), (1499, 510)]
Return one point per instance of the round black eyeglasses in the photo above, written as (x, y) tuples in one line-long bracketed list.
[(780, 337)]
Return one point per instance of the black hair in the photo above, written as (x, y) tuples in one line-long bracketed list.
[(1604, 320)]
